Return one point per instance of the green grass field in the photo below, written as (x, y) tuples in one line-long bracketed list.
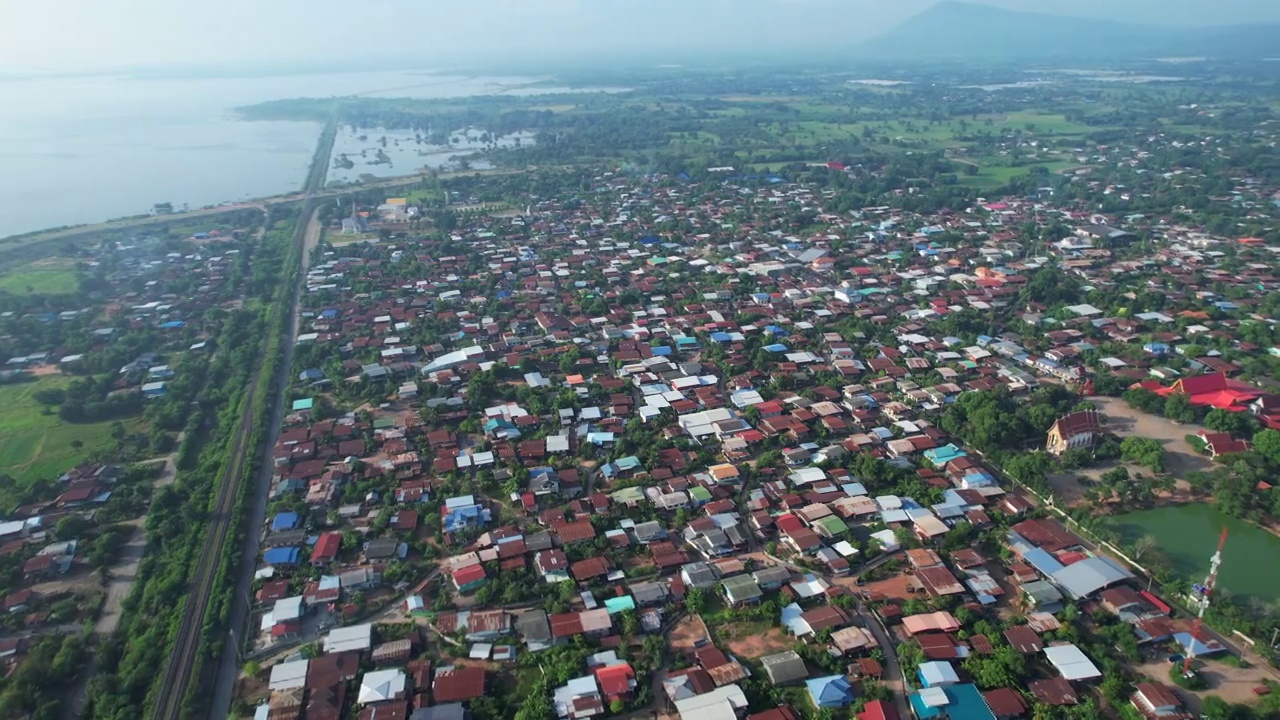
[(37, 445), (419, 195), (45, 277), (1047, 124)]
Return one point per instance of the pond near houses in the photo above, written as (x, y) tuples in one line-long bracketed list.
[(1188, 535)]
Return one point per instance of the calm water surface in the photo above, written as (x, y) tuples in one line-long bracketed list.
[(1188, 535), (86, 149)]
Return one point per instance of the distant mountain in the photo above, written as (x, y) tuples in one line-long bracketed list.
[(961, 30)]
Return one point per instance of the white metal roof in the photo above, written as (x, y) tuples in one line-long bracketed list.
[(938, 672), (289, 675), (381, 685), (1071, 662), (356, 637), (1085, 577)]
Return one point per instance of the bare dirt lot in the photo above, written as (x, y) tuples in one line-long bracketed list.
[(688, 635), (1234, 685), (1124, 421), (1068, 491), (752, 640), (894, 588)]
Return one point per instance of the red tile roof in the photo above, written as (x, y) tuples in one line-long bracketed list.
[(469, 574), (878, 710), (1024, 639), (573, 531), (458, 684), (326, 547), (1004, 702), (615, 680), (589, 569), (1054, 691)]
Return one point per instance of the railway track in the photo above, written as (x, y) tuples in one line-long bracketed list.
[(181, 671)]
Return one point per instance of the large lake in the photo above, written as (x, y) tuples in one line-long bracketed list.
[(77, 150)]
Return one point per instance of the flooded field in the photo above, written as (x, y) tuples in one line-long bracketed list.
[(378, 152)]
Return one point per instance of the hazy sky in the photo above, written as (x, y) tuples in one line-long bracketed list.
[(80, 35)]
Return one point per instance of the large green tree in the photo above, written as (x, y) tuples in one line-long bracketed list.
[(1267, 445), (1178, 408), (1240, 425), (1143, 451)]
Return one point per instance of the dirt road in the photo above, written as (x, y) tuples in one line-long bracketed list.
[(120, 581), (125, 568)]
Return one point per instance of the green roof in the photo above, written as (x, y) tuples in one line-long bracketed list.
[(700, 493), (742, 587), (832, 525), (628, 495), (384, 423), (304, 404)]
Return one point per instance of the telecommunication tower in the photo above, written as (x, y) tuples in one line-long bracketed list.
[(1201, 593)]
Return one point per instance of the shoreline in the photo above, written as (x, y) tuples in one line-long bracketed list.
[(17, 242), (25, 239)]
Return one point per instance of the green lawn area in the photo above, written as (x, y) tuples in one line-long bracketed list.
[(815, 131), (769, 167), (938, 135), (1047, 123), (564, 108), (419, 195), (693, 140), (36, 445), (992, 176), (523, 681), (45, 277)]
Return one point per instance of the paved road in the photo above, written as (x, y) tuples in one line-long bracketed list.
[(22, 241), (125, 568), (229, 665), (893, 677), (181, 672)]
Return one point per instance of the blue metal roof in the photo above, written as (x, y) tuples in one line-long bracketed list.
[(1042, 561), (284, 521), (830, 691), (281, 556)]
